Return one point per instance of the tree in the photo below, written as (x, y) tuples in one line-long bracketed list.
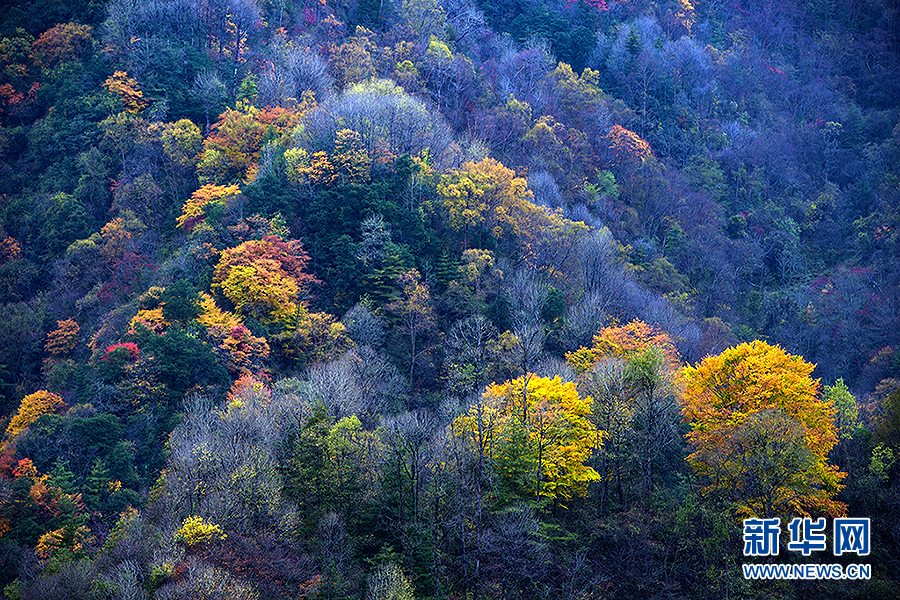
[(761, 433), (33, 406), (487, 196), (210, 90), (62, 340), (128, 90), (66, 42), (232, 149), (630, 370), (846, 410), (264, 279), (416, 314), (195, 208), (540, 452), (387, 582)]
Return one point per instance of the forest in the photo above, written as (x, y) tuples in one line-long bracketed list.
[(449, 299)]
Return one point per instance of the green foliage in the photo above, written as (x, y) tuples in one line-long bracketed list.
[(177, 361), (304, 467), (180, 302), (64, 220), (846, 410), (328, 466), (249, 89)]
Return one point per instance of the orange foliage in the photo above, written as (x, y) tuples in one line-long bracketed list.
[(244, 352), (248, 386), (128, 90), (63, 339), (623, 342), (231, 151), (628, 146), (9, 250), (758, 393)]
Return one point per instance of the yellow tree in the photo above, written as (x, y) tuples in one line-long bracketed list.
[(264, 279), (761, 432), (128, 90), (542, 451), (483, 193), (489, 195), (33, 406), (194, 210)]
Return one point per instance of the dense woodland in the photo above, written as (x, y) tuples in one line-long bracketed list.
[(445, 299)]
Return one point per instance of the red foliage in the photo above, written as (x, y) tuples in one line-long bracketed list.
[(595, 4), (126, 277), (132, 349)]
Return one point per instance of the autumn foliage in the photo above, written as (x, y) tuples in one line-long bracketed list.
[(537, 433), (32, 407), (264, 279), (62, 43), (487, 195), (194, 210), (231, 151), (761, 432), (128, 90), (63, 339), (627, 146), (623, 341)]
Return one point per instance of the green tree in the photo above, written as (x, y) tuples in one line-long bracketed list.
[(416, 313)]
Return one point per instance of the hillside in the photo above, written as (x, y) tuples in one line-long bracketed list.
[(445, 299)]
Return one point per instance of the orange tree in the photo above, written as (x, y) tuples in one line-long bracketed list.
[(761, 432), (264, 279), (631, 372)]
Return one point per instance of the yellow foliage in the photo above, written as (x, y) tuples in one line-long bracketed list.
[(128, 90), (195, 531), (487, 194), (212, 316), (537, 430), (32, 407), (623, 341), (61, 539), (151, 319), (194, 209), (761, 432)]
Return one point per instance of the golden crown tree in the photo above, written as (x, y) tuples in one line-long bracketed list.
[(539, 452), (761, 432)]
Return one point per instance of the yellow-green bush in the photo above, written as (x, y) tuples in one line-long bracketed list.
[(196, 531)]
